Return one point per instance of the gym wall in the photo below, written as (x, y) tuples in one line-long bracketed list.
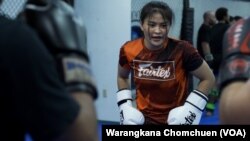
[(108, 25)]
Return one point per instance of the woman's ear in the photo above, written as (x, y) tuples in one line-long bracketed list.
[(141, 26)]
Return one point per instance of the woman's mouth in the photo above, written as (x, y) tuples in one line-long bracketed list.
[(156, 38)]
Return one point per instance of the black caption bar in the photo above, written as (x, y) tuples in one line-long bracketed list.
[(143, 132)]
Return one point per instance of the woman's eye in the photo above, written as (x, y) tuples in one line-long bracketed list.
[(151, 25), (164, 25)]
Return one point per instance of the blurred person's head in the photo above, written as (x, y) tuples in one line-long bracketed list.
[(209, 18), (236, 18), (221, 14)]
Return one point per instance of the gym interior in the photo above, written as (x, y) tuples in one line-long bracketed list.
[(110, 23)]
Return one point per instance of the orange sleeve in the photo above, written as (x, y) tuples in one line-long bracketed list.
[(129, 51)]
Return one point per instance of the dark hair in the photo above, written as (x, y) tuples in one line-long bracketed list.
[(236, 18), (221, 13), (157, 7), (231, 18)]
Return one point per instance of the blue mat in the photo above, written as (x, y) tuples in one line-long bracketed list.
[(205, 120), (211, 120)]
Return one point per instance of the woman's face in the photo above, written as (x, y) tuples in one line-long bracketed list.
[(155, 30)]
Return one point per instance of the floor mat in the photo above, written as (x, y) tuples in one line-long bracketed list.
[(211, 120)]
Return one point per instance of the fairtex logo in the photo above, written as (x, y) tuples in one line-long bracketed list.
[(160, 71)]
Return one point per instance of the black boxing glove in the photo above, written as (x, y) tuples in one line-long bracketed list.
[(236, 54), (65, 37)]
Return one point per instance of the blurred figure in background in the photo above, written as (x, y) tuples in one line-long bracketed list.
[(203, 46), (236, 18), (204, 35), (217, 33)]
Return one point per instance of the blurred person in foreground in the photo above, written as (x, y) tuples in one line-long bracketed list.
[(47, 89), (234, 74)]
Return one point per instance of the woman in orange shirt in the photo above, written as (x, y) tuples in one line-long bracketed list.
[(161, 66)]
